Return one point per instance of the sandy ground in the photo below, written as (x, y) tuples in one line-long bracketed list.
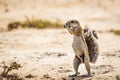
[(47, 54)]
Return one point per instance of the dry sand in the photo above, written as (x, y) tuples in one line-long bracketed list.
[(47, 54)]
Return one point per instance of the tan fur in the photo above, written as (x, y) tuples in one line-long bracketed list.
[(79, 46)]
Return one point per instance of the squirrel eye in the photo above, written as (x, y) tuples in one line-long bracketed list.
[(72, 21)]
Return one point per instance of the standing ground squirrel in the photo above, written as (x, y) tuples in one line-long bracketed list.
[(83, 45)]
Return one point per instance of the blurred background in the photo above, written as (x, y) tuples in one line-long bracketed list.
[(99, 14)]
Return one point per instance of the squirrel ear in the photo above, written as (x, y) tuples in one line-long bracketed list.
[(95, 34)]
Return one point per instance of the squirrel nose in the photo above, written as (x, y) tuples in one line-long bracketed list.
[(64, 26)]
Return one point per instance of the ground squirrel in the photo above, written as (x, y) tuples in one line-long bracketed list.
[(79, 46), (82, 43)]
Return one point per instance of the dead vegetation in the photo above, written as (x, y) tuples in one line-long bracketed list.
[(47, 77), (29, 76), (7, 69), (117, 32), (34, 23)]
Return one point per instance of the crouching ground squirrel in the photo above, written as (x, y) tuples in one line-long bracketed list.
[(84, 45)]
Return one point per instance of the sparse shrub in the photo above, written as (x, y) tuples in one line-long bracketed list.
[(7, 69), (117, 32), (13, 25), (34, 23)]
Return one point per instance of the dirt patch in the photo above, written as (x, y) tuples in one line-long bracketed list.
[(29, 76), (54, 54), (112, 54), (102, 69)]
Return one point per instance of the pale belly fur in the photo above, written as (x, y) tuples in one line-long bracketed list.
[(78, 46)]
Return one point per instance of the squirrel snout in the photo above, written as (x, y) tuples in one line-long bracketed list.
[(64, 26)]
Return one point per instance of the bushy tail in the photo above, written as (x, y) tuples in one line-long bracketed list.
[(93, 57)]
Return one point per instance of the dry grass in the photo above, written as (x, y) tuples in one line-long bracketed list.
[(8, 68), (117, 32), (34, 23)]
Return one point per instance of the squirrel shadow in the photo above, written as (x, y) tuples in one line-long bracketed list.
[(80, 77)]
